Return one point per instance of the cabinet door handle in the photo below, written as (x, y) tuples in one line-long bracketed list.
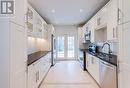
[(116, 31), (118, 15), (87, 63), (36, 77), (26, 18), (98, 21), (113, 32), (119, 11), (118, 67)]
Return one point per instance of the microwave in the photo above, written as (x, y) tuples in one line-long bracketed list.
[(88, 35)]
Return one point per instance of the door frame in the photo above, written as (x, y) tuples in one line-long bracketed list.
[(65, 58)]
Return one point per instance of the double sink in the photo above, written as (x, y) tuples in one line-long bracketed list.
[(112, 59)]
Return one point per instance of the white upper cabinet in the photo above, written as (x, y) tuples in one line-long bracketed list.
[(80, 35), (45, 31), (92, 29), (81, 32), (104, 25), (98, 26), (124, 11), (101, 18), (36, 25), (51, 29), (112, 18), (30, 20), (20, 7)]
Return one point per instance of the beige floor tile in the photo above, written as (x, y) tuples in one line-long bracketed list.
[(68, 75), (68, 86)]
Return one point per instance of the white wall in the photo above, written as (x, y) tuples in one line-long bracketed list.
[(68, 30), (61, 30), (32, 45)]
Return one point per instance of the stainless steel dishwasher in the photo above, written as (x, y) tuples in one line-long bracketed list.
[(108, 75)]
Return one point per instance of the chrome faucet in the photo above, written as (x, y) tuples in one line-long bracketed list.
[(108, 46)]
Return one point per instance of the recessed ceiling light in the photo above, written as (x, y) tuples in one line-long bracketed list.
[(53, 11), (81, 10)]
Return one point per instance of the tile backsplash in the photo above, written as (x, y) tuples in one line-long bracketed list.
[(32, 45), (37, 44), (113, 46)]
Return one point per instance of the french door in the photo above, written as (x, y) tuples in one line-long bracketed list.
[(65, 47)]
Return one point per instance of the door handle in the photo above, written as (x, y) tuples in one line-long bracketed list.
[(119, 11), (113, 32), (118, 67)]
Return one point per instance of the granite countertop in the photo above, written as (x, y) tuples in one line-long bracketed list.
[(86, 50), (36, 56), (112, 59)]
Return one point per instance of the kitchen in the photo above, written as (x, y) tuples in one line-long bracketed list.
[(38, 52)]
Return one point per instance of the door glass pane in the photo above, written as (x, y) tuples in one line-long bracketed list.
[(70, 47), (60, 47)]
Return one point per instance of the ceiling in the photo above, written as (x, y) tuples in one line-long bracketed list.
[(67, 12)]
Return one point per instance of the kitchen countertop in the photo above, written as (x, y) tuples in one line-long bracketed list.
[(112, 59), (36, 56)]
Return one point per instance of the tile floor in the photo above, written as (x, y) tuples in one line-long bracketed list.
[(68, 74)]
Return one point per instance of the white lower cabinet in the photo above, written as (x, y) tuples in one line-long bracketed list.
[(38, 70), (89, 65), (95, 67), (92, 65), (124, 76), (31, 77)]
